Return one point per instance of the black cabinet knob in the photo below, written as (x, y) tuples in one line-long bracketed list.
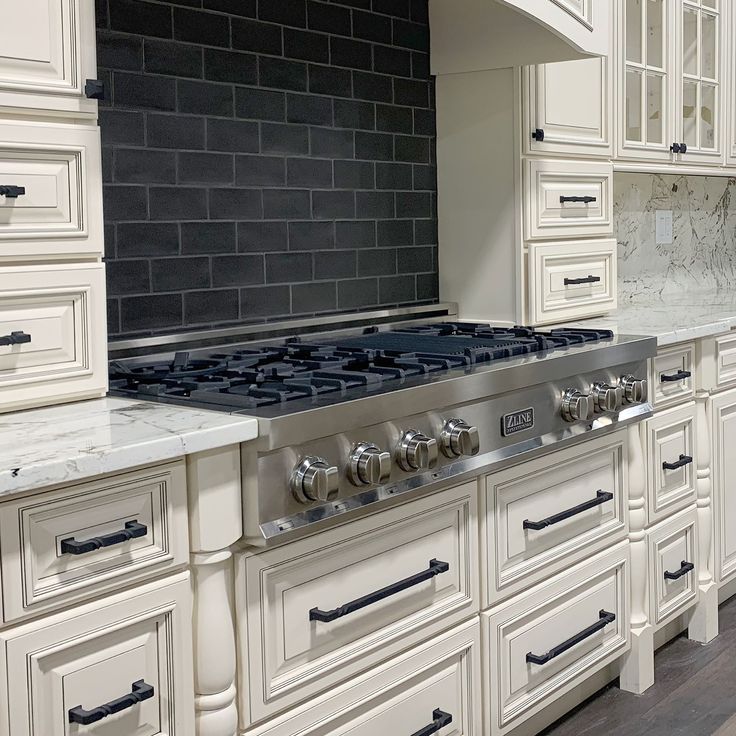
[(95, 89), (538, 134)]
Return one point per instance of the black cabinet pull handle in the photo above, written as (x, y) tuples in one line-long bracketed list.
[(140, 691), (441, 719), (585, 200), (674, 377), (681, 463), (601, 497), (436, 567), (585, 280), (675, 148), (605, 619), (94, 89), (10, 191), (538, 134), (683, 147), (132, 530), (685, 568), (15, 338)]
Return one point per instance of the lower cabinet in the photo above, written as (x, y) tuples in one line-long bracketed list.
[(723, 472), (434, 688), (326, 608), (119, 667), (548, 640), (673, 566)]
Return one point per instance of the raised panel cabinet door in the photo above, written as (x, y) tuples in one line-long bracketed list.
[(47, 53), (645, 79), (700, 94), (568, 108), (723, 417), (730, 98)]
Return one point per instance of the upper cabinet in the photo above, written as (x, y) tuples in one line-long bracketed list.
[(47, 55), (669, 80), (567, 108), (480, 35)]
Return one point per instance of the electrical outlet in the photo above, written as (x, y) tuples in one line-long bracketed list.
[(663, 221)]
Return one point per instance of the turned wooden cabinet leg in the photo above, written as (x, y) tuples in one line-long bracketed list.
[(704, 621), (637, 671), (216, 713), (215, 519)]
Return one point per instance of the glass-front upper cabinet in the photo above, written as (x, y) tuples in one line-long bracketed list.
[(645, 78), (699, 93)]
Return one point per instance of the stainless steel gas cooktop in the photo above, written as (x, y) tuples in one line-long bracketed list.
[(360, 415)]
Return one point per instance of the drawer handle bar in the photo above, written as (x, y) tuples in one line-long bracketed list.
[(15, 338), (436, 567), (685, 568), (132, 530), (601, 497), (140, 691), (605, 619), (585, 280), (10, 191), (674, 377), (441, 719), (585, 200), (681, 463)]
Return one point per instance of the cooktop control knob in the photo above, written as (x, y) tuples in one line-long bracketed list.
[(369, 465), (606, 397), (635, 389), (459, 439), (314, 479), (577, 406), (416, 451)]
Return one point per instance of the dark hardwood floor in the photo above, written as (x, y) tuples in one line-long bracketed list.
[(694, 694)]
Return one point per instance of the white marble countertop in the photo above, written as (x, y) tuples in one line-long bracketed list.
[(674, 319), (67, 443)]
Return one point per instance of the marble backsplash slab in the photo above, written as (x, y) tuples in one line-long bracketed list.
[(702, 257)]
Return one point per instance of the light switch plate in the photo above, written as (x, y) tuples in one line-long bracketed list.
[(663, 222)]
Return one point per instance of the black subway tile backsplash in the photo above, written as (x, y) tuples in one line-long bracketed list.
[(265, 158)]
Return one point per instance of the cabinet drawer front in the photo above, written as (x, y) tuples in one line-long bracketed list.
[(563, 484), (66, 544), (671, 378), (567, 199), (571, 280), (726, 360), (61, 670), (671, 461), (673, 549), (58, 212), (578, 623), (298, 646), (57, 314), (401, 696)]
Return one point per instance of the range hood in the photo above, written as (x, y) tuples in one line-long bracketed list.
[(476, 35)]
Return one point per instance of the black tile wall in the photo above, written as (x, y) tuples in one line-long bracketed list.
[(265, 159)]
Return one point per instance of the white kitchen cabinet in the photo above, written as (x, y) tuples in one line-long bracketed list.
[(47, 54), (670, 81), (62, 671), (53, 319), (567, 108), (82, 540), (645, 76), (548, 640), (723, 428), (729, 70), (306, 629)]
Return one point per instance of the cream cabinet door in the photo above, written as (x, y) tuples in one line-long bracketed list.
[(730, 99), (47, 53), (699, 54), (568, 108), (645, 79), (723, 413)]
